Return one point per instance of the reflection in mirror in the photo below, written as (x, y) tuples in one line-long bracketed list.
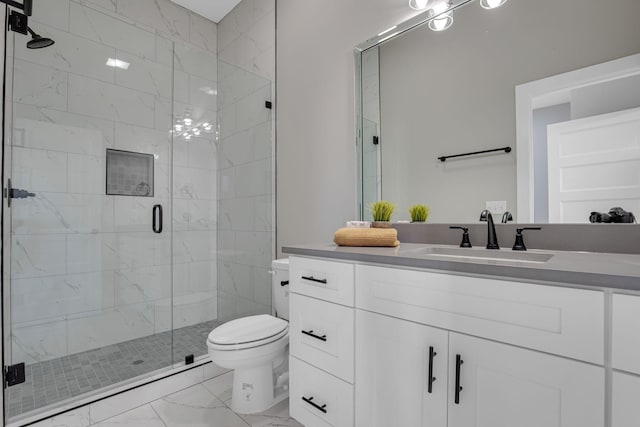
[(427, 94)]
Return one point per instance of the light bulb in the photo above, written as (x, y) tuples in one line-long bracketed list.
[(440, 24), (187, 121), (178, 128), (196, 132), (418, 4), (187, 136), (492, 4), (439, 8)]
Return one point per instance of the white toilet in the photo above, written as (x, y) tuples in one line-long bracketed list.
[(257, 349)]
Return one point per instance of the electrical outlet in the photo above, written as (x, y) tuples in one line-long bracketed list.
[(496, 207)]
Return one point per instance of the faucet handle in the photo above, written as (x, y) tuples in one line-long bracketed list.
[(506, 217), (465, 236), (519, 243)]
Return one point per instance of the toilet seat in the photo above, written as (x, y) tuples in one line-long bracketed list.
[(247, 332)]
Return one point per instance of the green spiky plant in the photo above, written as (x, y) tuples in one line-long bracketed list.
[(382, 210), (419, 213)]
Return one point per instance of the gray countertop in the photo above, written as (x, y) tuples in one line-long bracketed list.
[(605, 270)]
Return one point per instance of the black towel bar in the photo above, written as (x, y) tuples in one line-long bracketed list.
[(505, 149)]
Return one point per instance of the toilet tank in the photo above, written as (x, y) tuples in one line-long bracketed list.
[(280, 287)]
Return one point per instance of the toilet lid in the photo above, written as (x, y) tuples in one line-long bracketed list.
[(251, 329)]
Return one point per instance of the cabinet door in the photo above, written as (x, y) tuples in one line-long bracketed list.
[(626, 333), (506, 386), (392, 373), (626, 393)]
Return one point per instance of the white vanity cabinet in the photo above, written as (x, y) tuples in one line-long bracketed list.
[(626, 360), (443, 350), (497, 384)]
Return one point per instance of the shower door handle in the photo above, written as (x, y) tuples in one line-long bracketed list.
[(157, 219)]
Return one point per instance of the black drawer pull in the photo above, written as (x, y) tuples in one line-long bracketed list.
[(309, 400), (459, 363), (311, 334), (432, 354), (313, 279), (284, 283)]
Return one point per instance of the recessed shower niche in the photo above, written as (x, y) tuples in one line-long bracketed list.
[(129, 173)]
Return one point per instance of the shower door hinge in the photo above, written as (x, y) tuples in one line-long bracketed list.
[(13, 375)]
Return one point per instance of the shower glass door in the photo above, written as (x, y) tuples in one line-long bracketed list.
[(88, 239)]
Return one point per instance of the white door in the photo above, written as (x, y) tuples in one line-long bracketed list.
[(506, 386), (392, 373), (594, 165)]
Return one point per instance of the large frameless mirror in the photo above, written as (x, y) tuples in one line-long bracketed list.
[(527, 76)]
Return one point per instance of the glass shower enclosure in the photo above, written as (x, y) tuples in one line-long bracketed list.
[(123, 148)]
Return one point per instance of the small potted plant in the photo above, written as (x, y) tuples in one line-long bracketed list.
[(419, 213), (382, 211)]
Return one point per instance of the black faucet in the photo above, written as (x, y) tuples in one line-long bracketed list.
[(492, 239), (519, 244), (466, 243)]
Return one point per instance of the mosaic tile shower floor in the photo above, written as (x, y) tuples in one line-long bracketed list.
[(55, 380)]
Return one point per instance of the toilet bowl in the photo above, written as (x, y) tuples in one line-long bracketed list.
[(256, 348)]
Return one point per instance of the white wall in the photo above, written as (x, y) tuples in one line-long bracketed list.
[(316, 173)]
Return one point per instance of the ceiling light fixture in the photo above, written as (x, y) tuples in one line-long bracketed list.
[(492, 4), (441, 16), (418, 4)]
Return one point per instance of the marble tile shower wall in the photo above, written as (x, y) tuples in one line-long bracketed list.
[(86, 269), (246, 236)]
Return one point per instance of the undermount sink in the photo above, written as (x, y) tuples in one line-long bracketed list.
[(486, 254)]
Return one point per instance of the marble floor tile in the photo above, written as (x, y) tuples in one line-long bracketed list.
[(221, 387), (144, 416), (196, 406), (278, 416)]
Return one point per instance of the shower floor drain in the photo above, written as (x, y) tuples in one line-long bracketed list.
[(138, 362)]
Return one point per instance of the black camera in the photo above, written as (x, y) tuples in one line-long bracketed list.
[(616, 215)]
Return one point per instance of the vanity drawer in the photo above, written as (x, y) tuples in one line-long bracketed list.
[(322, 334), (563, 321), (325, 280), (626, 333), (317, 398)]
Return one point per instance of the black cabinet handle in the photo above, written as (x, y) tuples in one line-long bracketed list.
[(157, 219), (311, 334), (432, 354), (310, 401), (459, 363), (284, 283), (313, 279)]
